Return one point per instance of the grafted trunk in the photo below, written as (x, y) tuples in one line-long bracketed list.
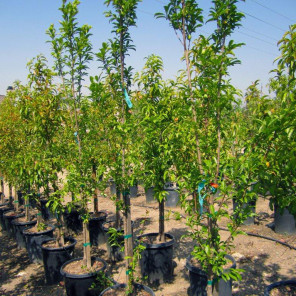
[(16, 200)]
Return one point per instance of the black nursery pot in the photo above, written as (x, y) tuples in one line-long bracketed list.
[(290, 283), (252, 205), (133, 191), (198, 281), (80, 285), (8, 218), (34, 241), (72, 220), (54, 258), (173, 198), (138, 287), (149, 192), (284, 222), (18, 231), (45, 212), (114, 252), (4, 209), (96, 231), (157, 259)]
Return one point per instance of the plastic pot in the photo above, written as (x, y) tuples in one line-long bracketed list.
[(157, 260), (133, 191), (4, 209), (284, 222), (45, 212), (123, 286), (96, 231), (80, 284), (149, 192), (172, 199), (8, 217), (112, 186), (114, 252), (252, 205), (18, 231), (290, 283), (34, 241), (54, 258), (198, 281), (72, 220)]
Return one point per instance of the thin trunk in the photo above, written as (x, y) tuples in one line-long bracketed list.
[(210, 283), (61, 232), (185, 49), (39, 218), (117, 214), (96, 192), (194, 196), (128, 241), (16, 200), (27, 211), (10, 194), (86, 246), (161, 222), (2, 190)]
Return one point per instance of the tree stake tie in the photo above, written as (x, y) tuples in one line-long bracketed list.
[(76, 135), (128, 236), (86, 244), (126, 97), (201, 198)]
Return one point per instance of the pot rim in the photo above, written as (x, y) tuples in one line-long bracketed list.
[(270, 287), (17, 223), (197, 270), (84, 275), (158, 245), (71, 239), (145, 288), (38, 233), (15, 216)]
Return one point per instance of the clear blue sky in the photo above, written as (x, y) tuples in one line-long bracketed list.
[(23, 24)]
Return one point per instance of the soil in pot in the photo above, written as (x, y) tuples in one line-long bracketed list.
[(283, 288), (97, 234), (198, 279), (54, 257), (19, 225), (156, 261), (284, 221), (4, 209), (8, 217), (34, 239), (78, 279), (119, 290)]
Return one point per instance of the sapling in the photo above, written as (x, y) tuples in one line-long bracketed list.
[(71, 49), (205, 164)]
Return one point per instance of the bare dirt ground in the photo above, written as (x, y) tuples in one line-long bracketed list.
[(264, 261)]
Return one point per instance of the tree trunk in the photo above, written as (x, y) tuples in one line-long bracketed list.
[(10, 194), (86, 246), (2, 190), (27, 212), (16, 200), (128, 238), (117, 217), (96, 193), (161, 222)]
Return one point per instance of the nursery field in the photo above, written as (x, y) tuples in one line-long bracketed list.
[(264, 261)]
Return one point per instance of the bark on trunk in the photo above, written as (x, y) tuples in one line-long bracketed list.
[(161, 222), (86, 246), (16, 200)]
